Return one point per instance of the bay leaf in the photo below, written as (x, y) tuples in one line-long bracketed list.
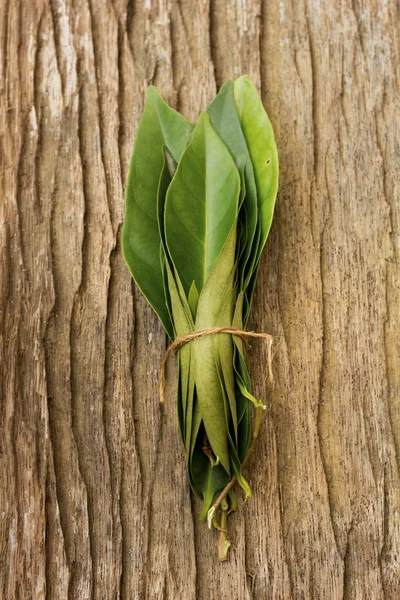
[(260, 141), (193, 299), (225, 119), (159, 125), (209, 393), (201, 205)]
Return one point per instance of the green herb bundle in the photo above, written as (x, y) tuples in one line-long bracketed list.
[(199, 205)]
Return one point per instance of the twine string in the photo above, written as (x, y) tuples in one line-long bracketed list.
[(194, 335)]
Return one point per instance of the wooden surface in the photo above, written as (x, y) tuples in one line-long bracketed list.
[(95, 502)]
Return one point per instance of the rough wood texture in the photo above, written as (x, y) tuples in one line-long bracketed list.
[(94, 498)]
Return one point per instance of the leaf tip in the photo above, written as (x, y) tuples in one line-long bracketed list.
[(151, 91), (210, 517), (204, 119)]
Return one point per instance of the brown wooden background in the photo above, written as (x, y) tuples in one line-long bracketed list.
[(94, 498)]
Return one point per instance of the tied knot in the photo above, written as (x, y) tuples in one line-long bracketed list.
[(194, 335)]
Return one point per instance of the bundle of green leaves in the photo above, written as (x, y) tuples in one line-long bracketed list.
[(199, 205)]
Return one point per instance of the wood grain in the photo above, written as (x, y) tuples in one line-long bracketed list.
[(94, 497)]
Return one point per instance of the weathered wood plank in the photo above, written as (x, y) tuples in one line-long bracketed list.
[(94, 496)]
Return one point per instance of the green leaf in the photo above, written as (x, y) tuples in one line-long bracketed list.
[(244, 431), (209, 392), (225, 119), (165, 180), (240, 369), (260, 140), (167, 172), (159, 125), (201, 205), (192, 434), (193, 299), (223, 352), (183, 324)]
